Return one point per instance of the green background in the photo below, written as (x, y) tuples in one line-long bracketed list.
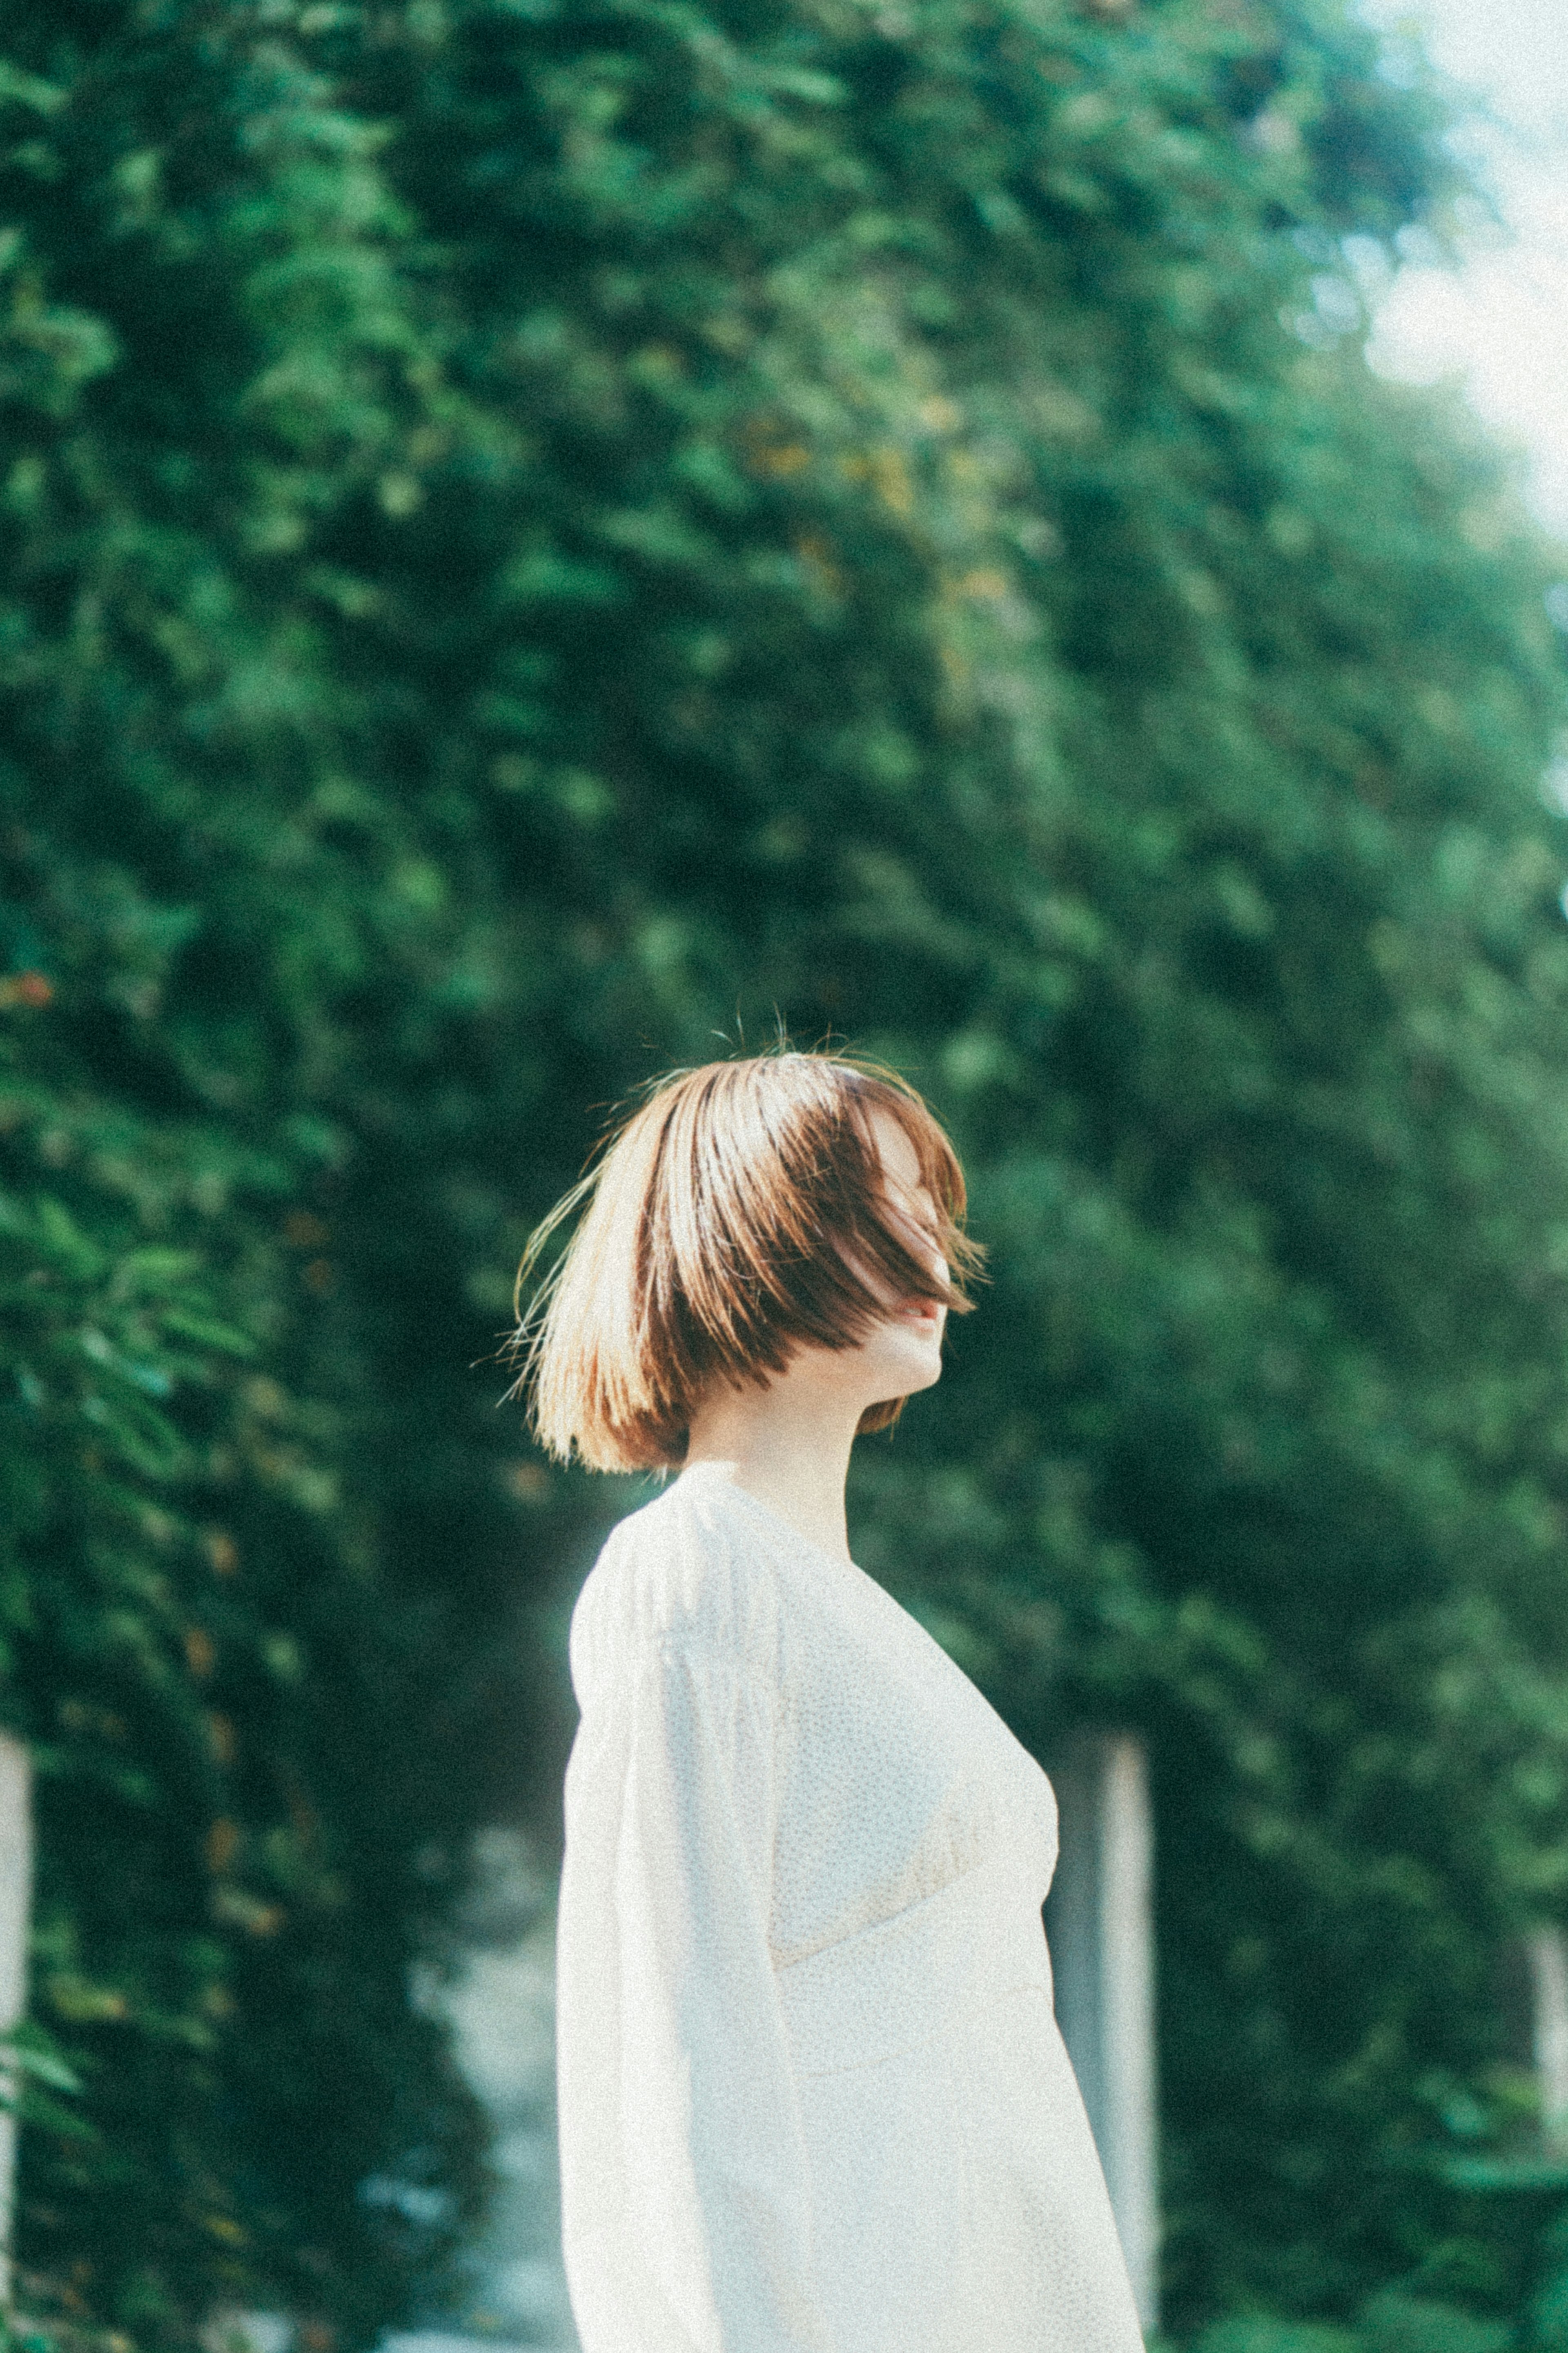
[(546, 540)]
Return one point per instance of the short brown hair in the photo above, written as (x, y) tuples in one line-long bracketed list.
[(718, 1213)]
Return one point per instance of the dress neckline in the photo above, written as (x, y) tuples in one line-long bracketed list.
[(771, 1519)]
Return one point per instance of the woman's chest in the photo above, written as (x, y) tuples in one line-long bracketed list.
[(895, 1775)]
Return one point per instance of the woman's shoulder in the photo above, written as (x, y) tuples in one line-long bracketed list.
[(683, 1573)]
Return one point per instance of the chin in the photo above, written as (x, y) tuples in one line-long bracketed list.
[(905, 1371)]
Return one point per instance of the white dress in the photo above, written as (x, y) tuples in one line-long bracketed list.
[(812, 2098)]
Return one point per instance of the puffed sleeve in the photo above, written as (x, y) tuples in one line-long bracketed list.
[(686, 2216)]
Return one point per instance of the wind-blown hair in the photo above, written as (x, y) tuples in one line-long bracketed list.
[(719, 1223)]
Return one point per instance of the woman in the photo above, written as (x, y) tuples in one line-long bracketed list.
[(812, 2094)]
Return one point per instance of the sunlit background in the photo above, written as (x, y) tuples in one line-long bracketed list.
[(1497, 322)]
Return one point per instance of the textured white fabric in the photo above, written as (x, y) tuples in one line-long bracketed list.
[(812, 2094)]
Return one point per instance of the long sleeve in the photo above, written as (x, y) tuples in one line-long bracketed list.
[(686, 2206)]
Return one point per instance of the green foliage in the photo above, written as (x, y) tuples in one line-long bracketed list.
[(536, 532), (239, 1833), (213, 1959), (1392, 2324), (1276, 2337)]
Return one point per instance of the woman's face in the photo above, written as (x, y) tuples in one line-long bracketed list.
[(898, 1356), (903, 1352)]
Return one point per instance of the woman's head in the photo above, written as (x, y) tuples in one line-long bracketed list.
[(745, 1211)]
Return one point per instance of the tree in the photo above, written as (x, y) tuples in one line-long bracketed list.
[(238, 1831)]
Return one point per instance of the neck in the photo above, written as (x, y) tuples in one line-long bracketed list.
[(788, 1449)]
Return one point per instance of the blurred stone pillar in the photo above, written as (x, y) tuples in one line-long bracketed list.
[(16, 1910), (1546, 1949), (1100, 1926)]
